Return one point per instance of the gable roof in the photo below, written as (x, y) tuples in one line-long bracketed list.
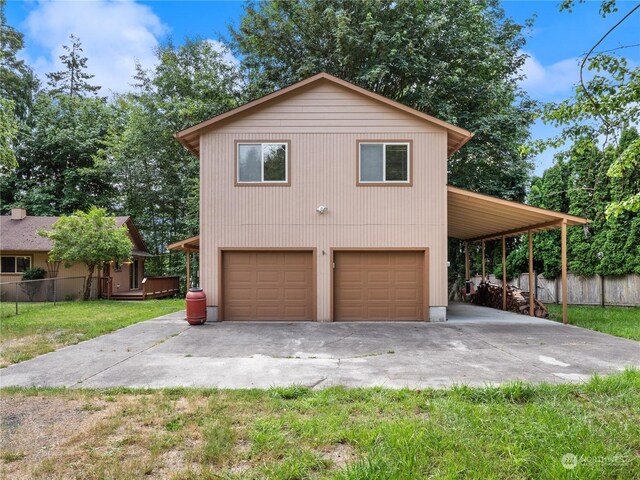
[(22, 235), (190, 137)]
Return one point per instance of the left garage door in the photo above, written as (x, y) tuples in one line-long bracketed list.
[(268, 285)]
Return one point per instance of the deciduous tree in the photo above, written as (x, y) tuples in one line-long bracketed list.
[(458, 60), (91, 238)]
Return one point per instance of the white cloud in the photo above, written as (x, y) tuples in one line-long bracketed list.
[(542, 82), (227, 56), (114, 35)]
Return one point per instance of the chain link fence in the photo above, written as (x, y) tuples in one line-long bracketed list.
[(17, 297)]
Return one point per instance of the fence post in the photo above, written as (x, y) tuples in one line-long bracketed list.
[(16, 299)]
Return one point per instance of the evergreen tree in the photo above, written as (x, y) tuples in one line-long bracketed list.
[(73, 80)]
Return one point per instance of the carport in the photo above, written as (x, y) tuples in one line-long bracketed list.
[(476, 218)]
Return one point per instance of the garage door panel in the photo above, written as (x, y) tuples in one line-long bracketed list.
[(295, 312), (296, 259), (268, 277), (238, 293), (268, 285), (411, 294), (378, 285), (241, 276), (296, 295), (351, 294), (378, 276), (407, 276), (263, 294), (406, 313), (378, 312), (268, 259), (378, 294)]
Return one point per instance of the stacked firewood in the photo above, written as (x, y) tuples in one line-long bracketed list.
[(490, 295)]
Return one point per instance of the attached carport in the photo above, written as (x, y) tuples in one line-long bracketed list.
[(476, 218)]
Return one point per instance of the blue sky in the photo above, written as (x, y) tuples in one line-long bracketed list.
[(115, 34)]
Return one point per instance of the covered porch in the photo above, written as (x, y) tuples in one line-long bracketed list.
[(127, 281), (190, 246)]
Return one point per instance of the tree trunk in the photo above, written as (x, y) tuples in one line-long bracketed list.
[(87, 285)]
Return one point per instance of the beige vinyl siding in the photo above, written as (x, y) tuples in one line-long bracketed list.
[(326, 108), (323, 129)]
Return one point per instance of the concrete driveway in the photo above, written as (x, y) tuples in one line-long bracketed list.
[(477, 346)]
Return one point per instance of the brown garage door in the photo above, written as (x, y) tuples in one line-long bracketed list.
[(379, 285), (268, 285)]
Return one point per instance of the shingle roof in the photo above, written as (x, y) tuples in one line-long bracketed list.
[(22, 235)]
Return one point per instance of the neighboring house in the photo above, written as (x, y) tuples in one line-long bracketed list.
[(324, 201), (22, 248)]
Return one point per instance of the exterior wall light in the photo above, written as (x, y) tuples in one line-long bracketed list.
[(322, 209)]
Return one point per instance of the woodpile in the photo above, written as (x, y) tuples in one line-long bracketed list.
[(490, 295)]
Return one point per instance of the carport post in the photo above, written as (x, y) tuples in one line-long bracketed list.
[(565, 309), (188, 268), (467, 273), (482, 261), (532, 289), (504, 274)]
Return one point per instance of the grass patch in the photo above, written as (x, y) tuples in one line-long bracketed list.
[(42, 328), (618, 321), (514, 431)]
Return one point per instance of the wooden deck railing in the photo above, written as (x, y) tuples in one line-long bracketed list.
[(106, 287), (155, 287)]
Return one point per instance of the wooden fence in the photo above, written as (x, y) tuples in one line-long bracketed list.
[(623, 290)]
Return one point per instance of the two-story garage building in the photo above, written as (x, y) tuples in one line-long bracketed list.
[(324, 201)]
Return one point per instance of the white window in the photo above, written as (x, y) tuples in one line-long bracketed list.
[(14, 264), (384, 162), (262, 163)]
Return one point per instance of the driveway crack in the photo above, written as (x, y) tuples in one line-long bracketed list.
[(131, 356)]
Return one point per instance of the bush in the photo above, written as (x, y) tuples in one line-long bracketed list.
[(32, 288), (36, 273)]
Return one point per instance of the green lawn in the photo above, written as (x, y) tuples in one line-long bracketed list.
[(43, 327), (618, 321), (516, 431)]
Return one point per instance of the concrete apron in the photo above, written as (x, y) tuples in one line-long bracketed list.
[(478, 346)]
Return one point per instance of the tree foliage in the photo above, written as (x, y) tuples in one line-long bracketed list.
[(158, 176), (74, 79), (91, 238), (17, 81), (458, 60), (578, 184), (58, 170)]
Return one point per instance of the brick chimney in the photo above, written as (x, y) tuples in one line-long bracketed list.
[(18, 213)]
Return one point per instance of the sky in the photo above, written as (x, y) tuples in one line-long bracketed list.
[(115, 34)]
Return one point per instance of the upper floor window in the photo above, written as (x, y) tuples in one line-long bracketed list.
[(262, 163), (14, 264), (384, 162)]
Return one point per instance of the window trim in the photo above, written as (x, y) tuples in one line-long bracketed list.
[(269, 183), (386, 183), (15, 260)]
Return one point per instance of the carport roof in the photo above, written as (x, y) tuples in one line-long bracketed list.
[(473, 216), (191, 244)]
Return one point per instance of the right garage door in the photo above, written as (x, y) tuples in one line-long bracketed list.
[(379, 285)]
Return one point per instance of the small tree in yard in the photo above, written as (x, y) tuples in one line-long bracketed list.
[(91, 238)]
